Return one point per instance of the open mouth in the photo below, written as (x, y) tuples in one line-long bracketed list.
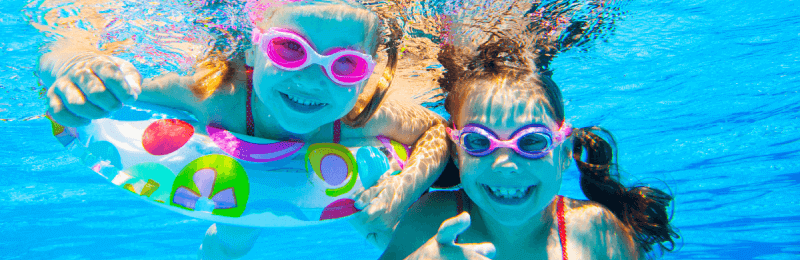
[(300, 104), (509, 195)]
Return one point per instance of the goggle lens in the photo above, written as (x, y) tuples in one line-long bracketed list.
[(533, 142), (476, 143), (349, 68), (286, 52)]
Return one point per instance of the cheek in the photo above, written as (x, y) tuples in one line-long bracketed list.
[(345, 95), (471, 167)]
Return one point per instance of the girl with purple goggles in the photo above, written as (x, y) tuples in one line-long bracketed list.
[(531, 141)]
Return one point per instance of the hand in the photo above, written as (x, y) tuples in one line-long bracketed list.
[(443, 246), (381, 207), (92, 86)]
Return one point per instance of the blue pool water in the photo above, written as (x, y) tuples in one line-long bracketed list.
[(701, 95)]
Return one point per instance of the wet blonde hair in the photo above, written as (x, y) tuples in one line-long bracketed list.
[(218, 69)]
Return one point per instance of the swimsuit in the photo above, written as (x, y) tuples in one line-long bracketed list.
[(562, 231)]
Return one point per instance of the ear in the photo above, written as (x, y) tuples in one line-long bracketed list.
[(454, 153), (250, 56), (566, 154)]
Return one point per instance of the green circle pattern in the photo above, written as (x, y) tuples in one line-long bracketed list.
[(230, 174)]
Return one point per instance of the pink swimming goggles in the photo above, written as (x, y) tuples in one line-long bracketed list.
[(531, 141), (289, 51)]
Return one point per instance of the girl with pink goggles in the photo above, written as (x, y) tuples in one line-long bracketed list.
[(289, 51)]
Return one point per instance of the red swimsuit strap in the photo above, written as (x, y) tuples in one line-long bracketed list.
[(562, 231)]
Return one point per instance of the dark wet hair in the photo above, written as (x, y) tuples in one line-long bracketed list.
[(642, 208)]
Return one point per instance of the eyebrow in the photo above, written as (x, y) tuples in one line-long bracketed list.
[(302, 35), (305, 37)]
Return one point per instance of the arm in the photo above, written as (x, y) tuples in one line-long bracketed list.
[(170, 90), (408, 123), (385, 203)]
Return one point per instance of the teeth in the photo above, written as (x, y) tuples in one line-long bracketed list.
[(306, 102), (513, 193)]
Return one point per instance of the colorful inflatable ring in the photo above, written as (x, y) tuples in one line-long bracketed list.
[(167, 158)]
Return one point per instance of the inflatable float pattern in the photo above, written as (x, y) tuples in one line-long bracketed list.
[(165, 157)]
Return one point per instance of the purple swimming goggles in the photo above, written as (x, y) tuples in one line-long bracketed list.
[(289, 51), (531, 141)]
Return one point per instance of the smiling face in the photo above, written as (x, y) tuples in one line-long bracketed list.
[(303, 100), (507, 187)]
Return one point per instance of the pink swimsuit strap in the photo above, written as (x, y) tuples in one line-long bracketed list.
[(251, 127)]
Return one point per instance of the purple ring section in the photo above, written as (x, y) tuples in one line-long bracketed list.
[(251, 152)]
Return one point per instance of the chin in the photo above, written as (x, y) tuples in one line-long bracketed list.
[(507, 213), (298, 126)]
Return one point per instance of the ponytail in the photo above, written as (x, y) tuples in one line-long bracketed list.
[(642, 208)]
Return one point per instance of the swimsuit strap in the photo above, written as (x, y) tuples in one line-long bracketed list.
[(251, 127), (562, 232), (459, 205), (337, 131), (459, 202)]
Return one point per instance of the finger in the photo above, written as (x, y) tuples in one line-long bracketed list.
[(452, 227), (94, 89), (60, 114), (73, 99), (377, 207), (485, 249), (131, 78), (366, 197)]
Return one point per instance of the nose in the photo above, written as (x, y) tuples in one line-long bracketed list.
[(312, 77), (503, 163)]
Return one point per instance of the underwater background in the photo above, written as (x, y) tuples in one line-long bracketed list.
[(701, 95)]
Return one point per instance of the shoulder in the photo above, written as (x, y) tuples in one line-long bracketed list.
[(439, 202), (421, 222), (593, 225), (431, 210), (399, 119)]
